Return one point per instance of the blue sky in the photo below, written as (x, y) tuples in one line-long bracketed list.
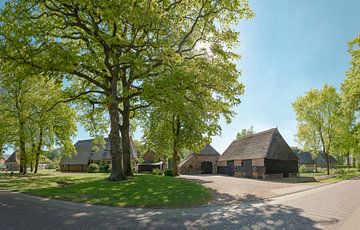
[(289, 47)]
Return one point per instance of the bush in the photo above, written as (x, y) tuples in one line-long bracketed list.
[(169, 172), (157, 171), (93, 168), (302, 169), (104, 168), (51, 165)]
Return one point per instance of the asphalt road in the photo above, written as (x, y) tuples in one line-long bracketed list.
[(335, 206)]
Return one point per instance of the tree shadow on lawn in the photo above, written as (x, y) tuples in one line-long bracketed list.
[(65, 215), (138, 191)]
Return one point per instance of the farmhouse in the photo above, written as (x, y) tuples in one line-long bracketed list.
[(86, 155), (261, 155), (306, 159), (151, 161), (204, 162), (13, 162)]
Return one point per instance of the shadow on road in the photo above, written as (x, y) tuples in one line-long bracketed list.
[(46, 213)]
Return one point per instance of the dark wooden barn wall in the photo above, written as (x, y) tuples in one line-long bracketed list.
[(280, 166)]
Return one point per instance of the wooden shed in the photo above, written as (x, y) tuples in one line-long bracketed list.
[(204, 162), (261, 155), (151, 161)]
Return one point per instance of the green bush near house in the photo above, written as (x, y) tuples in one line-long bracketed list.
[(104, 168), (157, 172), (169, 172), (93, 168)]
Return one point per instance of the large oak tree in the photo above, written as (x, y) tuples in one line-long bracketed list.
[(110, 48)]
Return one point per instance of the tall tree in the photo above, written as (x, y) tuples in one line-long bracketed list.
[(351, 98), (192, 99), (317, 115), (245, 132), (32, 111), (111, 48)]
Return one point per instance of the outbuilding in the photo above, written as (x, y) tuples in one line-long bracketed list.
[(13, 162), (261, 155), (204, 162), (151, 162)]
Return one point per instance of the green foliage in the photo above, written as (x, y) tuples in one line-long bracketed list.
[(52, 165), (119, 61), (245, 132), (168, 172), (318, 115), (157, 171), (93, 168), (105, 168)]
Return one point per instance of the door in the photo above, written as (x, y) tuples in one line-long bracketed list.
[(230, 168), (247, 167), (206, 167)]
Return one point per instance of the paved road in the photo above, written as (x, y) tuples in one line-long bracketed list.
[(334, 206)]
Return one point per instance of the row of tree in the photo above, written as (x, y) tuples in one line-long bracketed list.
[(327, 120), (171, 71)]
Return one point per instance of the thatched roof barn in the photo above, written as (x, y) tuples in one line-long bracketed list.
[(12, 163), (204, 162), (86, 154), (307, 159), (259, 155)]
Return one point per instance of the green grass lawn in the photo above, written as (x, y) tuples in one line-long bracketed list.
[(139, 191)]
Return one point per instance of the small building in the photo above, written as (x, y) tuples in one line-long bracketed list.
[(320, 161), (305, 159), (204, 162), (261, 155), (13, 162), (86, 155), (151, 161)]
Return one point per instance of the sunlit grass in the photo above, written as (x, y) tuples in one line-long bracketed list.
[(139, 191)]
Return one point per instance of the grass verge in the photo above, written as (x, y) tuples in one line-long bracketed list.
[(138, 191)]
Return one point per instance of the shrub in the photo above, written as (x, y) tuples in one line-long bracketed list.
[(93, 168), (169, 172), (104, 168), (302, 169), (157, 171), (51, 165)]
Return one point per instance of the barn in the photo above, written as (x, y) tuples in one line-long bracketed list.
[(13, 162), (204, 162), (86, 155), (261, 155)]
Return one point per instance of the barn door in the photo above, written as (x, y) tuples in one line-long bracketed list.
[(206, 167), (247, 167), (230, 168)]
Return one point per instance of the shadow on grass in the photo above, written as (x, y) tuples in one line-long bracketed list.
[(64, 215), (137, 191)]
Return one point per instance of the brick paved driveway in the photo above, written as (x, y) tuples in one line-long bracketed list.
[(235, 190), (330, 207)]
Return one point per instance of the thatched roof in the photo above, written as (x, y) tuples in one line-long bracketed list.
[(13, 158), (304, 157), (268, 144), (321, 159), (84, 152), (149, 156), (209, 151)]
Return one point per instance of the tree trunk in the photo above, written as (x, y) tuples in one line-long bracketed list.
[(117, 172), (176, 132), (316, 168), (38, 150), (23, 162), (327, 163), (348, 160), (125, 138)]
